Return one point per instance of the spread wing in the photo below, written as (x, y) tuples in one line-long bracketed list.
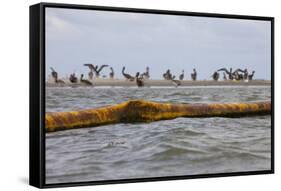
[(102, 66), (239, 70), (223, 69), (52, 69), (91, 66)]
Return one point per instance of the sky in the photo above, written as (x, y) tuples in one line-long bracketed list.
[(138, 40)]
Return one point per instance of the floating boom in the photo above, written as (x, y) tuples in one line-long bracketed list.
[(146, 111)]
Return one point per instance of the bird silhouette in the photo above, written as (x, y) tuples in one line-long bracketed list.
[(73, 78), (111, 74), (251, 75), (55, 76), (181, 77), (139, 80), (216, 76), (127, 76), (92, 69), (99, 69), (85, 82), (230, 74), (194, 75)]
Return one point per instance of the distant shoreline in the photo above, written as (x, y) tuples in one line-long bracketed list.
[(164, 83)]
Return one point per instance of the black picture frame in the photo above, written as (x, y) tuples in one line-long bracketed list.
[(37, 93)]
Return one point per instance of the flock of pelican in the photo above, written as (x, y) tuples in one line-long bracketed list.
[(139, 78), (237, 75)]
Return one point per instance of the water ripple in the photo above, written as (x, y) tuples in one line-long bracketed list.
[(180, 146)]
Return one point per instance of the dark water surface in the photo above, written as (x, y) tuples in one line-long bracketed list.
[(183, 146)]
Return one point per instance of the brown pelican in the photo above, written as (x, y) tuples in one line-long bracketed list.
[(91, 73), (194, 75), (236, 75), (245, 72), (85, 82), (73, 78), (99, 69), (230, 74), (59, 81), (55, 76), (167, 75), (111, 74), (54, 73), (251, 75), (182, 75), (127, 76), (146, 74), (139, 80), (176, 82), (216, 76), (239, 76)]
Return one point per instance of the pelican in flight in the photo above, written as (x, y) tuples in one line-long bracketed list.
[(99, 69)]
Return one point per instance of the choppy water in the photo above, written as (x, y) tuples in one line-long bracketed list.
[(183, 146)]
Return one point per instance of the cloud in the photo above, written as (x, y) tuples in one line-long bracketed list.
[(160, 41), (59, 28)]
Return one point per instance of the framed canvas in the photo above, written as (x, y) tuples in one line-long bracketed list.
[(122, 95)]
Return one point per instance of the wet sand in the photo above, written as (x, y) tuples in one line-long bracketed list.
[(167, 83)]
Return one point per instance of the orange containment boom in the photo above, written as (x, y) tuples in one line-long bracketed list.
[(146, 111)]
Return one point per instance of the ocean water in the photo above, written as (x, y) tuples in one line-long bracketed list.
[(182, 146)]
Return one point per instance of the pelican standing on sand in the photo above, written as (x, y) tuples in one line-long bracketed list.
[(139, 80), (85, 82), (194, 75), (237, 75), (182, 75), (243, 75), (167, 75), (111, 74), (246, 74), (54, 73), (216, 76), (146, 74), (73, 78), (127, 76), (251, 75), (91, 73), (55, 76)]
